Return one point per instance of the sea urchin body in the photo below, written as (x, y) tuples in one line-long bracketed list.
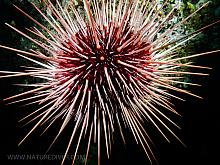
[(112, 69)]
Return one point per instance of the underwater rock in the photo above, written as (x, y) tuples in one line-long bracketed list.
[(217, 12)]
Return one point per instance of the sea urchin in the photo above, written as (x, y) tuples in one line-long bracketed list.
[(110, 69)]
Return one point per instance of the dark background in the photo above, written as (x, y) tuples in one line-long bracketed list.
[(200, 122)]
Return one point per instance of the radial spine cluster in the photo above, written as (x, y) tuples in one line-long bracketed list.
[(109, 70)]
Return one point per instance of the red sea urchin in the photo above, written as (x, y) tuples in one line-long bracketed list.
[(111, 70)]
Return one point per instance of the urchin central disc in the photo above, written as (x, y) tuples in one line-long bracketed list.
[(102, 58)]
